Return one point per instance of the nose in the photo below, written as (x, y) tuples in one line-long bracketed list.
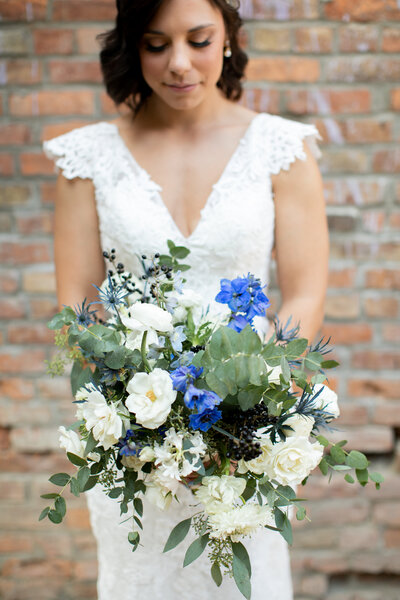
[(179, 60)]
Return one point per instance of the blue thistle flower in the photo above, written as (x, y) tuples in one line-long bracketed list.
[(113, 295), (84, 316)]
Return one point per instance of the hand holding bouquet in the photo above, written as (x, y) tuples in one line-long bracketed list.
[(179, 396)]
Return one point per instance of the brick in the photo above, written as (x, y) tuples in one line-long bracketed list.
[(62, 71), (352, 414), (368, 438), (51, 130), (30, 334), (15, 134), (48, 193), (30, 414), (347, 333), (381, 307), (59, 388), (392, 538), (341, 278), (85, 570), (11, 195), (387, 513), (107, 105), (86, 39), (383, 414), (21, 462), (7, 165), (14, 41), (358, 537), (316, 40), (33, 568), (362, 69), (394, 221), (267, 39), (358, 38), (22, 361), (314, 585), (280, 11), (9, 282), (12, 490), (395, 99), (387, 161), (352, 191), (391, 39), (33, 163), (372, 360), (342, 306), (344, 161), (383, 278), (53, 41), (14, 253), (11, 543), (342, 223), (12, 308), (83, 10), (39, 281), (78, 518), (374, 387), (16, 389), (22, 10), (6, 222), (373, 221), (4, 438), (43, 308), (39, 223), (283, 69), (58, 102), (391, 332), (368, 10), (328, 101), (20, 71), (34, 439), (355, 131)]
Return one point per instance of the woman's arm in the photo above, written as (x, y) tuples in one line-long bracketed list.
[(301, 244), (77, 250)]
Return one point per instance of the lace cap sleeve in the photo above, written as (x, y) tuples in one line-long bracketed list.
[(72, 152), (287, 143)]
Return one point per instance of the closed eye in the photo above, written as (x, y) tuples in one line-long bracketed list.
[(152, 48)]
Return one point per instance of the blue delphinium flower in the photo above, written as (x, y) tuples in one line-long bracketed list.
[(205, 419), (84, 316), (177, 337), (183, 376), (235, 294), (112, 295), (200, 400), (238, 322), (128, 446)]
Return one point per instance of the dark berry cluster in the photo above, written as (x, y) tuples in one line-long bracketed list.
[(246, 446), (197, 348)]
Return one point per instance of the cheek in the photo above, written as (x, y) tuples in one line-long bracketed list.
[(152, 66)]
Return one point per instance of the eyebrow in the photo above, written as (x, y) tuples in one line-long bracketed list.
[(192, 30)]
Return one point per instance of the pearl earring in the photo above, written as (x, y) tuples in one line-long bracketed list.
[(227, 50)]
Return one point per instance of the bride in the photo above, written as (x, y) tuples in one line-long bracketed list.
[(186, 162)]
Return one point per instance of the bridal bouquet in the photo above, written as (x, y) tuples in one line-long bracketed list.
[(171, 393)]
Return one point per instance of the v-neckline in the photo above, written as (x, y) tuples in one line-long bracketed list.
[(158, 188)]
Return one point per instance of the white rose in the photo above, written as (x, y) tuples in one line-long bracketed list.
[(301, 425), (327, 399), (239, 521), (273, 376), (160, 489), (147, 454), (71, 442), (150, 397), (220, 493), (188, 299), (103, 419), (145, 316), (134, 339), (291, 461)]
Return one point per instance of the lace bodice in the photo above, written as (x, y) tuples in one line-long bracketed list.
[(236, 229), (234, 236)]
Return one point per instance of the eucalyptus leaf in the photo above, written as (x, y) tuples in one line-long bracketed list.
[(283, 524), (357, 460), (60, 506), (74, 486), (82, 477), (79, 376), (54, 516), (76, 460), (241, 576), (44, 513), (178, 534), (349, 478), (60, 479), (240, 551), (216, 574), (116, 358), (376, 477), (138, 504), (195, 549)]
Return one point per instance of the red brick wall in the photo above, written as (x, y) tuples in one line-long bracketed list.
[(334, 63)]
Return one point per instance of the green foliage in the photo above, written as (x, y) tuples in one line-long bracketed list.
[(216, 574), (283, 524), (178, 534), (241, 569), (195, 549)]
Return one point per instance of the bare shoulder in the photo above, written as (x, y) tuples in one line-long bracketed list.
[(303, 176)]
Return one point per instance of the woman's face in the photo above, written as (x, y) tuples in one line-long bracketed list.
[(181, 52)]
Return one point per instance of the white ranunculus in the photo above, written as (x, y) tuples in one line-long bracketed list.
[(147, 454), (220, 493), (103, 419), (273, 376), (142, 316), (327, 399), (160, 489), (258, 465), (171, 458), (150, 397), (188, 299), (291, 461), (134, 339), (239, 521), (301, 425)]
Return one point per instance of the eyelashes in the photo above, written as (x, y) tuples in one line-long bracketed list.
[(151, 48)]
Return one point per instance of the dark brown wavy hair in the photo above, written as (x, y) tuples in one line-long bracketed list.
[(119, 56)]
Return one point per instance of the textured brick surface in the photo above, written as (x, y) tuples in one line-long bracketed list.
[(334, 63)]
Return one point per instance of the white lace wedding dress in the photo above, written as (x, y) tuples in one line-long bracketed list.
[(233, 237)]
